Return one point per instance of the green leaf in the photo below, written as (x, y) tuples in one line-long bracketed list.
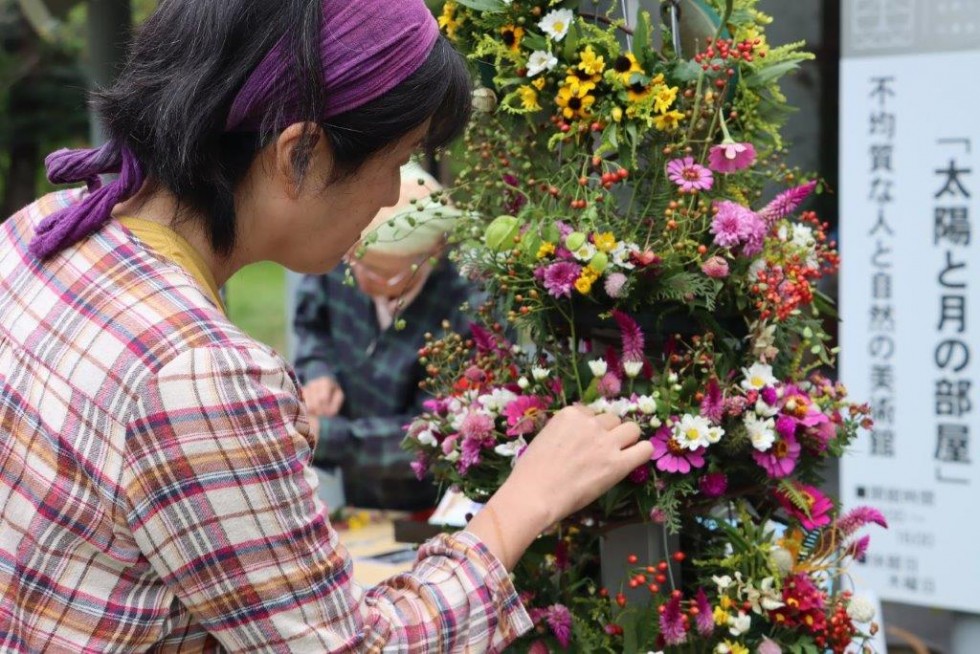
[(686, 71), (770, 73), (491, 6), (641, 35), (535, 41)]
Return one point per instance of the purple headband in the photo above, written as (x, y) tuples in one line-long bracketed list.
[(367, 47)]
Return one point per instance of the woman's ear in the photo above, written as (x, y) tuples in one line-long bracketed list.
[(298, 149)]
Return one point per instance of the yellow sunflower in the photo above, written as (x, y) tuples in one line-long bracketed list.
[(529, 98), (447, 21), (512, 35), (669, 121), (626, 66)]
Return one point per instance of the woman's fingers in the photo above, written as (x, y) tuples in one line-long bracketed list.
[(608, 420)]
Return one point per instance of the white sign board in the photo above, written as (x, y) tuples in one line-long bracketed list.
[(910, 305)]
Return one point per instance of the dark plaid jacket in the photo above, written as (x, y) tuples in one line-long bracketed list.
[(337, 335)]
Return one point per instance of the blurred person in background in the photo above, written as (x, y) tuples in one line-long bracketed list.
[(357, 346)]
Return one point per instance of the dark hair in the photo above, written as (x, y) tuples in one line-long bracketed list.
[(187, 64)]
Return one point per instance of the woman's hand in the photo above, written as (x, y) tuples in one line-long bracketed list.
[(324, 397), (576, 458)]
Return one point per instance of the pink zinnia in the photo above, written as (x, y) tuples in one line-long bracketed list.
[(525, 415), (671, 457), (716, 267), (559, 278), (819, 506), (690, 176), (780, 459), (730, 157), (732, 224)]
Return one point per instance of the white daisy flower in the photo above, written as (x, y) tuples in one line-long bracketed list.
[(757, 377), (762, 433), (585, 252), (692, 432), (540, 61), (715, 434), (621, 255), (556, 23)]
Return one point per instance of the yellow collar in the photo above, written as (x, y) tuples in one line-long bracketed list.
[(170, 245)]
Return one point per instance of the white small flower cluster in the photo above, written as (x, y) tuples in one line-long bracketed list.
[(760, 422), (693, 432)]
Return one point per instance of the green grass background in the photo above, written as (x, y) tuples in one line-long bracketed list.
[(256, 302)]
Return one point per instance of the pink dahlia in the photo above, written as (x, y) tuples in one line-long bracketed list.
[(559, 278), (690, 176), (671, 457), (730, 157), (817, 512)]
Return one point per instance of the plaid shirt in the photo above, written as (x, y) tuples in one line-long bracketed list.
[(337, 335), (155, 486)]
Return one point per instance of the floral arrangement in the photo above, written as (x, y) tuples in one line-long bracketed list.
[(650, 255)]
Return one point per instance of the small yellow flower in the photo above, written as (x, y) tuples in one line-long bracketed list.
[(448, 21), (726, 602), (583, 285), (590, 63), (578, 80), (574, 103), (663, 97), (617, 114), (721, 616), (669, 121), (605, 242), (737, 648), (638, 92), (546, 249), (538, 83), (513, 35), (529, 98)]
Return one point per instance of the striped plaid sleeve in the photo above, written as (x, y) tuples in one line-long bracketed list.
[(223, 504)]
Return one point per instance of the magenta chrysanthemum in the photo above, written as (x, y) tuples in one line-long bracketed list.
[(559, 278), (689, 175), (671, 457), (817, 512), (786, 202), (730, 157), (733, 224)]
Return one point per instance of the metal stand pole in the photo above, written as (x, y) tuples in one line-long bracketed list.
[(109, 26)]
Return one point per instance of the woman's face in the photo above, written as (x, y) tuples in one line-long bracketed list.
[(308, 227)]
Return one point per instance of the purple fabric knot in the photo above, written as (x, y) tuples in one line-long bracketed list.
[(71, 224)]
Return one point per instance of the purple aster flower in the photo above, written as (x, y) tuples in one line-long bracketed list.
[(730, 157), (705, 620), (559, 278), (559, 618), (780, 459), (689, 175), (713, 484), (672, 623), (732, 224), (614, 284), (671, 457)]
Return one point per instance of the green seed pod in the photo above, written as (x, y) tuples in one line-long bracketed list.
[(500, 234)]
